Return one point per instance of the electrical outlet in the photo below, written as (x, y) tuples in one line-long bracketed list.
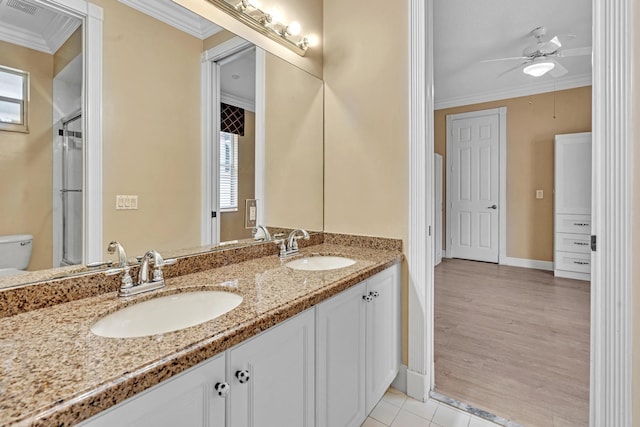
[(539, 194)]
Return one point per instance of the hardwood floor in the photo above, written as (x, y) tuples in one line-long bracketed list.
[(513, 341)]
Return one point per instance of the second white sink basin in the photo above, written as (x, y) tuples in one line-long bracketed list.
[(166, 314), (320, 263)]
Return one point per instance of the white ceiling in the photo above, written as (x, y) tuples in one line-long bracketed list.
[(469, 31), (238, 80), (33, 26)]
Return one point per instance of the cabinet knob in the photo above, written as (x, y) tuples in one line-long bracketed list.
[(222, 389), (374, 294), (242, 376), (367, 298)]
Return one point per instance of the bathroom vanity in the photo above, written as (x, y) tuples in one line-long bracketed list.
[(303, 348)]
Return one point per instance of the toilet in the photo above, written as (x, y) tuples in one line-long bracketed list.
[(15, 253)]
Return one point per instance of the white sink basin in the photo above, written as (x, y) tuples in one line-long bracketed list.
[(166, 314), (320, 263)]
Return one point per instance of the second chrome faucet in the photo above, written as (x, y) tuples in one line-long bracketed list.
[(289, 247)]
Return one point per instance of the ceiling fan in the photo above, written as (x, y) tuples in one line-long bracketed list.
[(540, 58)]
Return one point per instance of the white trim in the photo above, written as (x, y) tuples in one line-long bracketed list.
[(92, 114), (56, 33), (527, 263), (210, 86), (611, 321), (175, 15), (421, 208), (260, 135), (237, 101), (501, 112), (400, 381), (92, 16), (535, 87)]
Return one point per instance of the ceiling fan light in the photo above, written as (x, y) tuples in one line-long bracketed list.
[(538, 69)]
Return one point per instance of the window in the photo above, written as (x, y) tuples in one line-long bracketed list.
[(14, 97), (228, 172)]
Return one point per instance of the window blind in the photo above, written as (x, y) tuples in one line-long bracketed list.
[(228, 191)]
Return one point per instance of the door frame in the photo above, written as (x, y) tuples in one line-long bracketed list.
[(210, 101), (501, 112), (611, 314)]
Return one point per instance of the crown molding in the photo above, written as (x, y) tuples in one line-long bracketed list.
[(59, 30), (56, 33), (238, 101), (175, 15), (29, 39), (515, 92)]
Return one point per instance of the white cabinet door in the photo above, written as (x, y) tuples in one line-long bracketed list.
[(573, 174), (383, 333), (187, 400), (278, 385), (340, 323)]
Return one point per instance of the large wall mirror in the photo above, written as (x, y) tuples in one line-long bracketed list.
[(168, 76)]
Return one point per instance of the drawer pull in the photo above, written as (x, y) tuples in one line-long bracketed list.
[(242, 376), (581, 262), (581, 224), (581, 243)]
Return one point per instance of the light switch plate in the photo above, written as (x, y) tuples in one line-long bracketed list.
[(126, 202), (539, 194), (250, 213)]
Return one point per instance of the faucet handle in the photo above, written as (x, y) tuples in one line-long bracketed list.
[(126, 281), (283, 247)]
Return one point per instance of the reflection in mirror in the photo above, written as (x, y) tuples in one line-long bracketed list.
[(41, 165), (153, 127)]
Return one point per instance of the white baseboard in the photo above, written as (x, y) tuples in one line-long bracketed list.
[(400, 382), (527, 263), (417, 385)]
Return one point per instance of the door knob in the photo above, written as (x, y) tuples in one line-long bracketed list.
[(493, 207), (367, 298), (374, 294)]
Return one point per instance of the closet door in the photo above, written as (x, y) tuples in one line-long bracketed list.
[(573, 174)]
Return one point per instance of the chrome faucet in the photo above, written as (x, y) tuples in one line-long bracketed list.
[(123, 265), (265, 232), (144, 284), (289, 247)]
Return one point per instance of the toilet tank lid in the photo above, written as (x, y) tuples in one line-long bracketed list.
[(12, 238)]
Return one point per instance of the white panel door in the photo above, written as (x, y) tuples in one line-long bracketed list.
[(277, 387), (474, 188), (341, 327)]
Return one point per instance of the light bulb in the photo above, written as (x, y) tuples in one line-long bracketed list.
[(294, 28), (276, 15), (312, 40)]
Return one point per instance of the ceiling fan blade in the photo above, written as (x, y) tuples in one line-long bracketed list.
[(505, 59), (550, 46), (579, 51), (510, 70), (558, 70)]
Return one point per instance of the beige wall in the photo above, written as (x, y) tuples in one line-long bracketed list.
[(216, 39), (531, 128), (293, 152), (232, 223), (151, 131), (307, 12), (69, 50), (366, 125), (26, 159)]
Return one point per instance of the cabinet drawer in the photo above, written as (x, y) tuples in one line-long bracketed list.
[(573, 242), (579, 224), (571, 261)]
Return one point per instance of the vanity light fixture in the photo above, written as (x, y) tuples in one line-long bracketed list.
[(537, 69), (269, 23)]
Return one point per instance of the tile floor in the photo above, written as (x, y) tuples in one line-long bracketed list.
[(395, 409)]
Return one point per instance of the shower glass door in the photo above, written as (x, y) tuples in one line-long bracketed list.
[(71, 191)]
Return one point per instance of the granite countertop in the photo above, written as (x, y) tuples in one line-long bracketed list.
[(55, 371)]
